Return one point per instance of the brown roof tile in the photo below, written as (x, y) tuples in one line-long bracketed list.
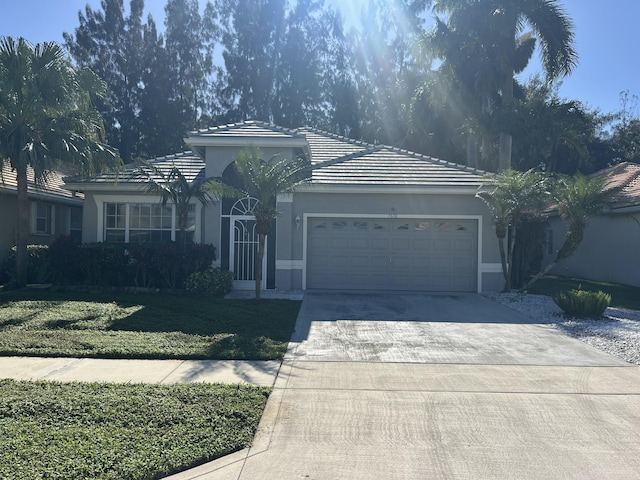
[(626, 176), (52, 185)]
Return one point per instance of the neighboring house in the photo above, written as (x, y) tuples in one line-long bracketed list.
[(370, 217), (54, 210), (610, 249)]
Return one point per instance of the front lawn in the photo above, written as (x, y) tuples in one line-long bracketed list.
[(40, 322), (106, 431), (622, 296)]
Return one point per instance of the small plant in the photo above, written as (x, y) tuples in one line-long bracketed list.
[(583, 303), (214, 282)]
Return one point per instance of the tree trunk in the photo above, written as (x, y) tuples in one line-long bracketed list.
[(503, 260), (259, 257), (23, 227), (504, 153), (511, 242), (472, 151), (571, 242)]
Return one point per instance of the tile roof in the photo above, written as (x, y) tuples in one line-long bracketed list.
[(335, 160), (625, 175), (53, 185), (191, 166), (341, 161), (247, 129)]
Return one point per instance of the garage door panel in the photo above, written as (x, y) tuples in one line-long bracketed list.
[(380, 243), (392, 254)]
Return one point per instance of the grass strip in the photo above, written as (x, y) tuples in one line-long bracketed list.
[(116, 431), (80, 324)]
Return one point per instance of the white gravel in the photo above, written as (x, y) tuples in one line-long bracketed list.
[(617, 333)]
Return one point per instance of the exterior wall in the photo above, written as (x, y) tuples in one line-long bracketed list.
[(290, 261), (9, 219), (607, 253), (8, 216), (220, 157)]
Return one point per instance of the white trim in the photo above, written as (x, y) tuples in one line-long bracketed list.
[(289, 264), (307, 216), (285, 198), (491, 267), (389, 189)]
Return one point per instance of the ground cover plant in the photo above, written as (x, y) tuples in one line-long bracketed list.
[(622, 296), (117, 431), (41, 322)]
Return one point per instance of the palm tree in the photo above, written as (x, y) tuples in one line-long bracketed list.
[(173, 186), (513, 197), (576, 198), (263, 181), (499, 29), (47, 119)]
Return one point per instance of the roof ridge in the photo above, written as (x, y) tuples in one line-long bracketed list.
[(344, 158), (229, 126)]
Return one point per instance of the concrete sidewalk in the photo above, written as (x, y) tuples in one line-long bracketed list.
[(409, 389), (262, 373)]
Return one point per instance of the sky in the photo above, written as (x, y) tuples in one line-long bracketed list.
[(606, 41)]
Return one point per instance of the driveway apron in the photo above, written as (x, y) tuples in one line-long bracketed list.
[(410, 386)]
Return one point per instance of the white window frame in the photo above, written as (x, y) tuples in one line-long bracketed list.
[(102, 200), (51, 220)]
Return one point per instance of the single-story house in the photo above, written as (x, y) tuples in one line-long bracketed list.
[(55, 210), (609, 251), (370, 217)]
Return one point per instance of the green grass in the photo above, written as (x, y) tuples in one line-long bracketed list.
[(106, 431), (622, 296), (40, 322)]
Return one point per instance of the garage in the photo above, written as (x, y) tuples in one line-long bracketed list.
[(408, 254)]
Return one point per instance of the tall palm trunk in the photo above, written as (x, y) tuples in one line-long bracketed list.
[(261, 243), (22, 238), (504, 153)]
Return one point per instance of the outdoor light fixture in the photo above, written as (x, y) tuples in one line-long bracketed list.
[(297, 222)]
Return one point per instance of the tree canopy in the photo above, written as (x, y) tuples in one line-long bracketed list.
[(383, 77), (47, 120)]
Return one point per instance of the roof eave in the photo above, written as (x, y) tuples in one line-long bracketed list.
[(395, 189)]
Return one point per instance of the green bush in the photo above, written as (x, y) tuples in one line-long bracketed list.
[(583, 303), (214, 282), (38, 270)]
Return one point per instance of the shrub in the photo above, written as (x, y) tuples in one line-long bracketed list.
[(37, 264), (63, 260), (214, 282), (583, 303)]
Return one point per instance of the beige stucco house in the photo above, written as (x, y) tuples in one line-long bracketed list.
[(54, 210), (610, 249), (370, 217)]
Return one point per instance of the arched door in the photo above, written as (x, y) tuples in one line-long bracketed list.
[(243, 245)]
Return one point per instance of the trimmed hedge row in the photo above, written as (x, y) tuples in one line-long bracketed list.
[(161, 265)]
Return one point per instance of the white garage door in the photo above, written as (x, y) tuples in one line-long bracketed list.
[(392, 254)]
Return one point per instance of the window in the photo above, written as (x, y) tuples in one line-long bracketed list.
[(75, 224), (339, 225), (43, 219), (144, 222), (360, 225)]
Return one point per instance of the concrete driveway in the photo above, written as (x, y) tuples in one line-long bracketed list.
[(439, 387)]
